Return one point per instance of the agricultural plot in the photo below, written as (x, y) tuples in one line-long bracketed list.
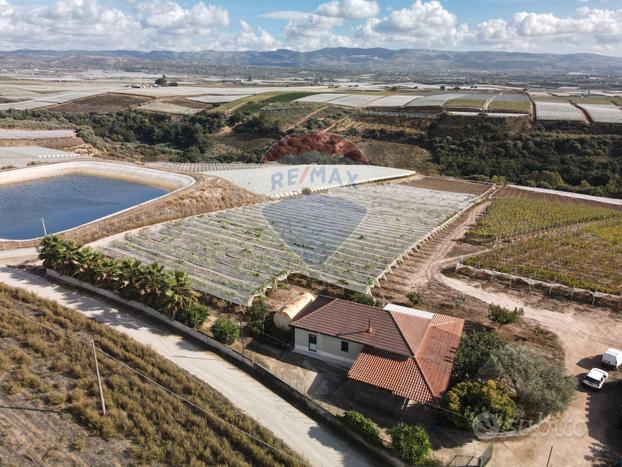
[(587, 257), (392, 101), (321, 98), (511, 217), (25, 105), (201, 166), (36, 134), (18, 157), (278, 181), (436, 100), (218, 99), (558, 111), (167, 108), (603, 113), (348, 237), (466, 103), (172, 91), (355, 100), (286, 115)]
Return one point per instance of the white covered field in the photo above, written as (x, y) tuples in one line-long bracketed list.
[(218, 99), (22, 156), (392, 101), (349, 237), (35, 134), (558, 111), (321, 98), (436, 100), (355, 100), (205, 167), (165, 107), (278, 181), (603, 113)]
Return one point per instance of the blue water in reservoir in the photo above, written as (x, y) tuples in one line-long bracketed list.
[(65, 202)]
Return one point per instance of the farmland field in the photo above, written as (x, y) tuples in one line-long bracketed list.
[(465, 103), (103, 103), (510, 217), (558, 111), (436, 100), (521, 106), (286, 115), (355, 100), (320, 98), (586, 257), (348, 237), (603, 113), (165, 107), (50, 377)]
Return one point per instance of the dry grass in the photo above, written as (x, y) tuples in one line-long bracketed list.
[(57, 373)]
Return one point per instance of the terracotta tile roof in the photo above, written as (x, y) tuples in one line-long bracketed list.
[(409, 352), (350, 321), (399, 374)]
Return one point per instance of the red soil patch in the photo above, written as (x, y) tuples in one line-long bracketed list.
[(314, 141)]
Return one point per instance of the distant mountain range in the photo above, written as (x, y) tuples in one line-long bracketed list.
[(330, 59)]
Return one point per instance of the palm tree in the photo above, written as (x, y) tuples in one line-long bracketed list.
[(179, 295)]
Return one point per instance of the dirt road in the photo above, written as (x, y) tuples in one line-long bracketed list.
[(319, 445), (586, 433)]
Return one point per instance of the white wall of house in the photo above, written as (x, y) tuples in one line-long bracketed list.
[(328, 347)]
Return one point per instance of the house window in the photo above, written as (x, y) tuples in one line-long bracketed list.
[(345, 346), (312, 342)]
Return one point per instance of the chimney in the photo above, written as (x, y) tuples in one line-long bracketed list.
[(369, 328)]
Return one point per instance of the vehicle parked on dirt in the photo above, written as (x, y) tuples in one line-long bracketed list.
[(596, 378), (612, 358)]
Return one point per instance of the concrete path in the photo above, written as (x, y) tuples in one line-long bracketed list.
[(319, 445)]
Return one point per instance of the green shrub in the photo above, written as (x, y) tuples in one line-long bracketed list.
[(258, 316), (541, 385), (410, 442), (362, 425), (194, 315), (363, 299), (225, 330), (468, 399), (503, 316), (414, 298), (475, 350)]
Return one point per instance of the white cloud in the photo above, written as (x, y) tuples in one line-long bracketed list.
[(314, 32), (285, 14), (421, 24), (65, 24), (591, 29), (168, 17), (250, 39), (349, 9)]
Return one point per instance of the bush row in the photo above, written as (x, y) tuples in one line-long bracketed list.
[(169, 292)]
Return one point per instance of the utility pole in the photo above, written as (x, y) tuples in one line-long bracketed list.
[(99, 381), (45, 231), (548, 462)]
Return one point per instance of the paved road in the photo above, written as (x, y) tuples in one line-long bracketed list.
[(320, 446)]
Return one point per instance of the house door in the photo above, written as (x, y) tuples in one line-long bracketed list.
[(312, 342)]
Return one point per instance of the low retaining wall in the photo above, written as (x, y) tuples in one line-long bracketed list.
[(550, 288), (258, 370)]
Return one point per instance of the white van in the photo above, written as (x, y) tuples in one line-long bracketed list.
[(612, 358)]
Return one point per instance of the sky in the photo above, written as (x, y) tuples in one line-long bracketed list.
[(560, 26)]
